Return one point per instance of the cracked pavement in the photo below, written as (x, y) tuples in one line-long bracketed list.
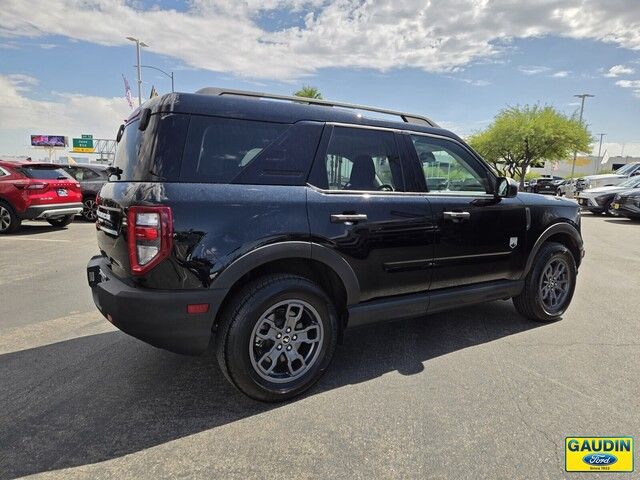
[(473, 393)]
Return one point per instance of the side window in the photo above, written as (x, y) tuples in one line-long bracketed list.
[(360, 159), (218, 149), (88, 174), (2, 173), (78, 174), (447, 167)]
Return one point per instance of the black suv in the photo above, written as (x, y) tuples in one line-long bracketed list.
[(272, 224)]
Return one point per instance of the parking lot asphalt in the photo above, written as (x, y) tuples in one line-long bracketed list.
[(474, 393)]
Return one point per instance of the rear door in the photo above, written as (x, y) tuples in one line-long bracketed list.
[(479, 237), (358, 206)]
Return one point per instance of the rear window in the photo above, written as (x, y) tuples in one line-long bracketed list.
[(208, 149), (44, 172), (152, 154), (218, 149)]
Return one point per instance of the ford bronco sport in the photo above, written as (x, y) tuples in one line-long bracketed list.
[(271, 224)]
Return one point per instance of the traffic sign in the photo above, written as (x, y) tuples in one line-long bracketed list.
[(84, 144)]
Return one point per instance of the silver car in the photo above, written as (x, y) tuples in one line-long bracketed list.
[(598, 200)]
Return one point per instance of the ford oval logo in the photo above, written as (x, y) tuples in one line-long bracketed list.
[(599, 459)]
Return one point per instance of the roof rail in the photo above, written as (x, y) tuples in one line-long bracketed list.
[(406, 117)]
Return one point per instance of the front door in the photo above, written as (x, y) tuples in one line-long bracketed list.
[(358, 206), (479, 237)]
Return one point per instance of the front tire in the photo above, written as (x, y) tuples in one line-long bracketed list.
[(9, 221), (550, 284), (61, 222), (609, 211), (277, 337)]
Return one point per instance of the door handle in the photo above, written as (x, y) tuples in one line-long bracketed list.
[(348, 218), (457, 215)]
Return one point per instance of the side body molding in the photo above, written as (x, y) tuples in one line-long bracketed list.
[(562, 227), (290, 249)]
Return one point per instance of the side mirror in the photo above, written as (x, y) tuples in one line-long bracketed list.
[(506, 188)]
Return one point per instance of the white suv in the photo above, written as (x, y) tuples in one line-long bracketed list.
[(609, 179)]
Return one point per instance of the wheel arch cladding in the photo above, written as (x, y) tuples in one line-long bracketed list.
[(316, 262), (563, 233)]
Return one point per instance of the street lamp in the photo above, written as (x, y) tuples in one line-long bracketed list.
[(170, 75), (138, 45), (582, 96)]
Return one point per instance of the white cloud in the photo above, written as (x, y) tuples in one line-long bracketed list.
[(618, 70), (65, 114), (561, 74), (533, 69), (634, 85), (436, 36), (21, 82)]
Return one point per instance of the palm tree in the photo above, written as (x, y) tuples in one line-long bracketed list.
[(308, 91)]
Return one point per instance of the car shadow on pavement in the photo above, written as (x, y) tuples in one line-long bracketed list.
[(103, 396)]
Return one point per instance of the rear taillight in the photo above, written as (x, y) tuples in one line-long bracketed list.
[(37, 186), (150, 237)]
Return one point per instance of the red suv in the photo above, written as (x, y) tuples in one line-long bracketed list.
[(34, 191)]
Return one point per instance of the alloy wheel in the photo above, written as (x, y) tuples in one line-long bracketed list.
[(555, 284), (5, 219), (286, 341), (89, 208)]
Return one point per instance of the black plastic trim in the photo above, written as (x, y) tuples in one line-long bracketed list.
[(554, 229), (158, 317), (291, 249), (419, 304)]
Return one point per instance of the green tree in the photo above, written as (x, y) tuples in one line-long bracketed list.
[(308, 91), (523, 137)]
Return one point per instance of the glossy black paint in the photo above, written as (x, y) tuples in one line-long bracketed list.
[(405, 244)]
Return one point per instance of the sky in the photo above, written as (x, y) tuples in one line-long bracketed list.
[(458, 62)]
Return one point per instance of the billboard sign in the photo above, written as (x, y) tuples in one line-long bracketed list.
[(48, 141)]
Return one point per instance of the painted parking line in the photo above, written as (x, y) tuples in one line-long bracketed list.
[(54, 240)]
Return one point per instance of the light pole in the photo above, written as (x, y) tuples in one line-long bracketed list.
[(599, 151), (582, 96), (138, 45), (170, 75)]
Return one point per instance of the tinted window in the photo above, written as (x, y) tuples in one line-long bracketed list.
[(44, 172), (448, 167), (287, 160), (155, 153), (360, 159), (218, 149)]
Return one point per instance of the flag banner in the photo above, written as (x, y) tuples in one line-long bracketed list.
[(127, 92)]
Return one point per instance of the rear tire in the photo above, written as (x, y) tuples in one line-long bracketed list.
[(61, 222), (276, 337), (550, 284), (9, 221)]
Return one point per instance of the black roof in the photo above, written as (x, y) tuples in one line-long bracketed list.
[(280, 111)]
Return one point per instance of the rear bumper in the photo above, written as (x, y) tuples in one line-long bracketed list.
[(53, 210), (158, 317)]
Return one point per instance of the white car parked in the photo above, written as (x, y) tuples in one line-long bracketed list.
[(598, 200), (609, 179)]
